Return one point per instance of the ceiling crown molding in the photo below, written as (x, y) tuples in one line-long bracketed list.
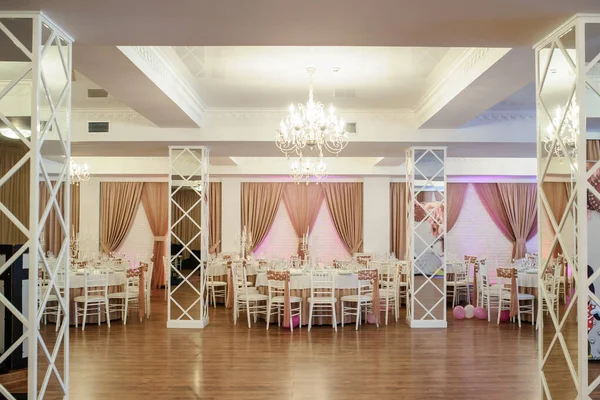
[(457, 76), (83, 114), (498, 116), (154, 64)]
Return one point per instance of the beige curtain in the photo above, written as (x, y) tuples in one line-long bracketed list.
[(185, 229), (14, 193), (53, 232), (302, 203), (513, 208), (557, 194), (118, 204), (75, 209), (398, 219), (345, 202), (454, 202), (155, 199), (260, 202), (214, 240), (592, 150)]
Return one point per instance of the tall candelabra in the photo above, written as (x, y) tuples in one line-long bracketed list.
[(304, 245), (245, 243)]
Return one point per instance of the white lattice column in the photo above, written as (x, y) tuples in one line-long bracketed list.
[(188, 178), (426, 231), (35, 111), (568, 101)]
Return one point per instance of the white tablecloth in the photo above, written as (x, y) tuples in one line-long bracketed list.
[(528, 280), (344, 281), (77, 280), (219, 268)]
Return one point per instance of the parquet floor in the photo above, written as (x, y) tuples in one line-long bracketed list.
[(470, 360)]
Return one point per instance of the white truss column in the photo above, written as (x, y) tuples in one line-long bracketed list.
[(188, 181), (426, 231), (568, 97), (37, 55)]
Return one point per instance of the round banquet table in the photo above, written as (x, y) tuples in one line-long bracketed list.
[(116, 282), (345, 284)]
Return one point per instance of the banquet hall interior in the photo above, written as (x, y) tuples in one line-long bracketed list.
[(225, 200)]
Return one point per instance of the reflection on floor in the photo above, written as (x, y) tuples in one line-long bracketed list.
[(470, 360)]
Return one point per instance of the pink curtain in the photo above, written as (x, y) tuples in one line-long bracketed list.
[(398, 219), (155, 199), (557, 194), (454, 202), (302, 203), (118, 204), (345, 202), (260, 202), (513, 208)]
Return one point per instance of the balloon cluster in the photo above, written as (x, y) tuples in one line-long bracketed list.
[(469, 312)]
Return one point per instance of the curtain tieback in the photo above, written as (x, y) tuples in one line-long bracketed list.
[(521, 241), (159, 238)]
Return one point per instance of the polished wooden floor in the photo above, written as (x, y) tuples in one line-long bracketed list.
[(470, 360)]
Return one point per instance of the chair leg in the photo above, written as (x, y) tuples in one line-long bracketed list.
[(248, 313), (125, 312), (499, 308), (358, 313), (343, 314), (107, 312), (57, 316), (310, 314), (333, 318), (85, 307), (387, 308), (76, 315), (268, 313)]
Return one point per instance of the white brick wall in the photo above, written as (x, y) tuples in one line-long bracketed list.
[(281, 241), (475, 233)]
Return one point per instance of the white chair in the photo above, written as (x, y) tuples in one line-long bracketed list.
[(276, 283), (167, 273), (490, 294), (363, 300), (390, 290), (295, 261), (215, 288), (505, 277), (460, 284), (148, 268), (402, 282), (551, 280), (95, 296), (52, 304), (245, 299), (127, 299), (322, 296)]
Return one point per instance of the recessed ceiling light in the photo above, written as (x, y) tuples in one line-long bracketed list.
[(336, 69)]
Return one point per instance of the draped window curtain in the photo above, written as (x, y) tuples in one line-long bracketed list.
[(345, 203), (513, 208), (214, 240), (53, 233), (302, 203), (260, 202), (14, 193), (155, 199), (557, 194), (118, 205), (454, 202), (398, 202)]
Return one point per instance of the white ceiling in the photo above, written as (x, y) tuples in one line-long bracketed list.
[(485, 23), (272, 77)]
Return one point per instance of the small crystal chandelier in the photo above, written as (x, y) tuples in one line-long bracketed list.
[(305, 169), (78, 172), (197, 186), (309, 125), (568, 131)]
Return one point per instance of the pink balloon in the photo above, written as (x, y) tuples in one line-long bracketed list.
[(480, 313), (296, 321), (504, 316), (459, 312), (371, 318)]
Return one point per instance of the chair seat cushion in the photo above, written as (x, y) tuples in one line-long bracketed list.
[(253, 297), (281, 299), (456, 283), (81, 299), (121, 295), (355, 298), (217, 284), (322, 300), (385, 293)]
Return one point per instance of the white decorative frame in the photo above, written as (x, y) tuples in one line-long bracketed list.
[(580, 66), (45, 35), (187, 164), (414, 156)]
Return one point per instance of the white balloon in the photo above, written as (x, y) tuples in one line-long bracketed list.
[(469, 311)]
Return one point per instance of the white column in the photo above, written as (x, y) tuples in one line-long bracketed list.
[(376, 215), (231, 214)]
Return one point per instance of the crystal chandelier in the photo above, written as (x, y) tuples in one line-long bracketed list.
[(197, 186), (309, 125), (567, 128), (305, 169), (79, 173)]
